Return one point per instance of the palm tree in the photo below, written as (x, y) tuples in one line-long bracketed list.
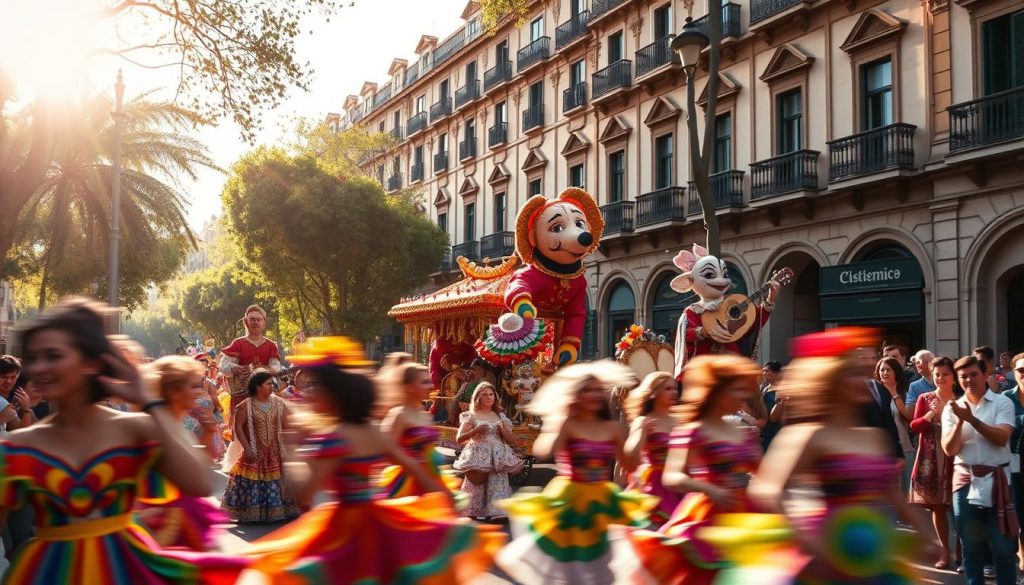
[(68, 218)]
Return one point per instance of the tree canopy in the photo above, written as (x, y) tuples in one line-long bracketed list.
[(339, 245), (214, 300)]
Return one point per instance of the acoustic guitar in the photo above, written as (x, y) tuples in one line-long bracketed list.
[(737, 313)]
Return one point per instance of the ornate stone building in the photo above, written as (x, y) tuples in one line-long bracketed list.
[(873, 146)]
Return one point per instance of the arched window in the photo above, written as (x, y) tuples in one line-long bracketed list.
[(887, 252), (621, 312), (667, 304)]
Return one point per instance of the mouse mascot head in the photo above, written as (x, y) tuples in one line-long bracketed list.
[(553, 236), (704, 274)]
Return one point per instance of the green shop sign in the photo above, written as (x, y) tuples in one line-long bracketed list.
[(874, 275), (872, 307)]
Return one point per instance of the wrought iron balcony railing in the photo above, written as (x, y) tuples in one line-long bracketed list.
[(497, 75), (730, 21), (467, 148), (416, 172), (574, 97), (380, 97), (762, 9), (793, 171), (416, 123), (441, 109), (726, 191), (394, 183), (471, 250), (618, 74), (600, 8), (888, 147), (533, 117), (441, 162), (497, 134), (467, 94), (988, 120), (534, 53), (571, 30), (618, 217), (446, 261), (661, 206), (448, 48), (655, 56), (396, 132), (498, 245)]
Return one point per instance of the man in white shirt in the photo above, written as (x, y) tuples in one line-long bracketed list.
[(976, 433)]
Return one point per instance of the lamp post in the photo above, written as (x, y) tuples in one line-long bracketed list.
[(688, 45), (115, 195)]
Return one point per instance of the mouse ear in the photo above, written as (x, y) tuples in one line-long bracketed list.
[(700, 251), (684, 261)]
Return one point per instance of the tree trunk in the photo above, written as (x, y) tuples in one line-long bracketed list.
[(702, 156)]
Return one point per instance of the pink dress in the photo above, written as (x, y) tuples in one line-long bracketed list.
[(647, 478), (487, 453)]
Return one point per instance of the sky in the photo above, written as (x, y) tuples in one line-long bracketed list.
[(41, 44)]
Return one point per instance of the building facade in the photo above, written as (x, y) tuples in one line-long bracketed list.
[(871, 146), (8, 315), (199, 259)]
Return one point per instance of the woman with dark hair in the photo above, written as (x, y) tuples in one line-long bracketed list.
[(891, 380), (257, 489), (647, 411), (82, 467), (561, 534), (931, 483), (361, 537)]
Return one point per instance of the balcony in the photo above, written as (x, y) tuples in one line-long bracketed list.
[(467, 94), (440, 162), (534, 53), (471, 250), (381, 97), (663, 205), (415, 124), (618, 217), (615, 76), (396, 133), (655, 56), (412, 74), (571, 30), (446, 261), (793, 171), (497, 75), (726, 192), (574, 97), (763, 9), (989, 120), (888, 147), (602, 8), (441, 110), (467, 148), (730, 21), (448, 48), (497, 135), (498, 245), (533, 117), (416, 172), (394, 183)]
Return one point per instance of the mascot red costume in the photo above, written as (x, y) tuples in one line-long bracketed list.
[(553, 236), (708, 277)]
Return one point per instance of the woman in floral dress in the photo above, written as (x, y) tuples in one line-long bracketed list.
[(932, 479), (257, 489), (488, 457)]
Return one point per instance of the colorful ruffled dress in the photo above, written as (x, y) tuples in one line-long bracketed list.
[(364, 539), (647, 479), (487, 453), (561, 533), (419, 443), (258, 490), (678, 553), (85, 530)]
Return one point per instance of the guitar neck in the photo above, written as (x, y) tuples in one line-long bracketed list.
[(760, 294)]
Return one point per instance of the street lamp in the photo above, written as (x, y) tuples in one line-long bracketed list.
[(115, 194), (688, 44)]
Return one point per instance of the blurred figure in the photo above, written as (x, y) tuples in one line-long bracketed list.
[(477, 373), (775, 406), (976, 431), (890, 378), (996, 381), (1016, 396), (15, 409), (647, 411)]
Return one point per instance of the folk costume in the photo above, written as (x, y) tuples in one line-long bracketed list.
[(246, 351)]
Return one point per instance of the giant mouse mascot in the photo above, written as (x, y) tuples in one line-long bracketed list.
[(708, 277), (552, 238)]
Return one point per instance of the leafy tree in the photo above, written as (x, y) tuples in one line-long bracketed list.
[(338, 245), (493, 12), (344, 154), (155, 330), (214, 300), (67, 220)]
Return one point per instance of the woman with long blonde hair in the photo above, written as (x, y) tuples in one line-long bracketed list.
[(488, 456), (647, 410)]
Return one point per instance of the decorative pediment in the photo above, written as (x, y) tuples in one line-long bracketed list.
[(873, 26), (426, 43), (398, 66), (472, 7), (469, 187), (664, 110), (499, 174), (615, 129), (369, 88), (442, 199), (534, 161), (351, 102), (576, 144), (787, 60), (727, 88)]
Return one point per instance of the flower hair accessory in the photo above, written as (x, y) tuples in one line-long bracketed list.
[(330, 351), (834, 342)]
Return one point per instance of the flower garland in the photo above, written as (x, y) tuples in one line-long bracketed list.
[(637, 333)]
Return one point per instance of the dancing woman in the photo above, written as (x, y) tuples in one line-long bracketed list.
[(561, 534), (852, 539), (647, 408), (411, 427), (361, 537), (82, 467)]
